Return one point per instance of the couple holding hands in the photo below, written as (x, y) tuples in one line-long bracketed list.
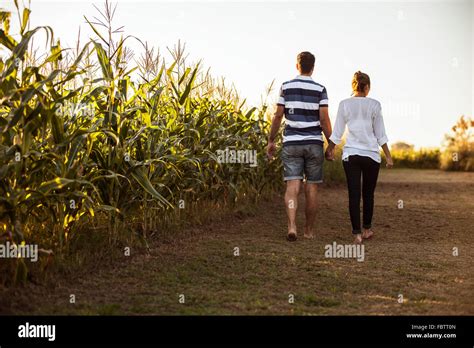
[(304, 105)]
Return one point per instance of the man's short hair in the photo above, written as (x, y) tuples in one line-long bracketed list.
[(306, 61)]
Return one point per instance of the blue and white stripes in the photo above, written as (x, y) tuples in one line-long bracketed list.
[(302, 98)]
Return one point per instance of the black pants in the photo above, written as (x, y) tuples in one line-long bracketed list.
[(354, 167)]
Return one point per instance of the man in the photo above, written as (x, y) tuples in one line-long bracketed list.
[(304, 103)]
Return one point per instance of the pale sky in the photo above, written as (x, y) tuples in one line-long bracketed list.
[(419, 55)]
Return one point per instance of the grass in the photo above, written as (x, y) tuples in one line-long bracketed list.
[(411, 255)]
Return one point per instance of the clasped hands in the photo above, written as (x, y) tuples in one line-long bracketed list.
[(330, 152)]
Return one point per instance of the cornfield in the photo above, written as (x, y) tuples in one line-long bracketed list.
[(89, 139)]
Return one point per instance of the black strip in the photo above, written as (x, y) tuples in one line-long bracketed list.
[(316, 330), (303, 112), (303, 131), (304, 142), (303, 98), (302, 118), (302, 91)]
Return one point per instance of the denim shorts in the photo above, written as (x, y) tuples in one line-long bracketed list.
[(303, 162)]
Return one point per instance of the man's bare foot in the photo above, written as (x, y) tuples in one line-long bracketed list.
[(367, 233), (358, 239), (291, 236)]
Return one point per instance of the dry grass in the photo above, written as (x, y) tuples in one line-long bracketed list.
[(410, 255)]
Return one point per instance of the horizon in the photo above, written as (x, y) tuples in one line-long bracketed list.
[(408, 78)]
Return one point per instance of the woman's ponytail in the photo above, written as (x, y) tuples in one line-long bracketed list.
[(360, 81)]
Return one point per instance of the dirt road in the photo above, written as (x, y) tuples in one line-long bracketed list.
[(409, 267)]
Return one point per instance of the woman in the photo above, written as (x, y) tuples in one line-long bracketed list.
[(361, 154)]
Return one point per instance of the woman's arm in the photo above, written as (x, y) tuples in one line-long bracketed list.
[(337, 132), (388, 155), (379, 131), (339, 127)]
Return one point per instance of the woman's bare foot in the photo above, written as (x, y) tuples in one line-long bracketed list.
[(367, 233), (308, 234), (358, 239)]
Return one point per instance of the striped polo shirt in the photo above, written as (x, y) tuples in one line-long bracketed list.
[(302, 98)]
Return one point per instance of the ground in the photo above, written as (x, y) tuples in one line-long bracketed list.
[(411, 255)]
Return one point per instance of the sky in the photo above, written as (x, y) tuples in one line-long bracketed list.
[(419, 55)]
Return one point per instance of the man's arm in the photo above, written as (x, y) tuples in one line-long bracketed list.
[(276, 122), (325, 121)]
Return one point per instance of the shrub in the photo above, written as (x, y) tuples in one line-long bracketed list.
[(458, 151), (419, 159)]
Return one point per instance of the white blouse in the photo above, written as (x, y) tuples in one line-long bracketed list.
[(366, 130)]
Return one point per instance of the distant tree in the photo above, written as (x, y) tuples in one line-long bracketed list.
[(402, 146), (459, 146)]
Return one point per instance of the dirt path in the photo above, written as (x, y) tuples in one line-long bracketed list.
[(411, 255)]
